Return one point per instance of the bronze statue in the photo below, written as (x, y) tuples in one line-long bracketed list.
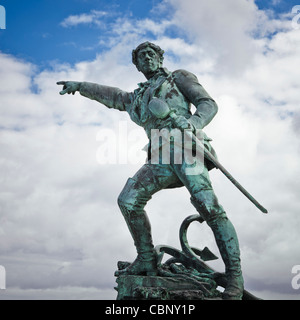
[(176, 91)]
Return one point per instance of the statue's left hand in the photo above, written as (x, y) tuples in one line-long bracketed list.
[(69, 87), (183, 123)]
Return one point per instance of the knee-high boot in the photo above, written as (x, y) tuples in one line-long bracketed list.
[(228, 245), (140, 229), (226, 239)]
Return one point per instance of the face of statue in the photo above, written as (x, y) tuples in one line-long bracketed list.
[(148, 61)]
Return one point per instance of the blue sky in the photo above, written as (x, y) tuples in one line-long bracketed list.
[(279, 6), (57, 199), (34, 31)]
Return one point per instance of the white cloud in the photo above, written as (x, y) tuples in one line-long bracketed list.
[(59, 221), (227, 31), (94, 17), (276, 2)]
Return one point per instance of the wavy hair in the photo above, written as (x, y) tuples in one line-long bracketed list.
[(143, 45)]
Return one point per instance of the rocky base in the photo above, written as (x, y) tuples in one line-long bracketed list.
[(185, 276), (174, 282)]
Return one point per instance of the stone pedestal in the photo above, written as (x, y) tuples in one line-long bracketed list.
[(161, 288)]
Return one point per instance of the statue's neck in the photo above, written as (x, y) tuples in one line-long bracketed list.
[(151, 75), (155, 74)]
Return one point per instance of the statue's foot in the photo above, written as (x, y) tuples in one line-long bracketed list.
[(140, 267), (234, 289)]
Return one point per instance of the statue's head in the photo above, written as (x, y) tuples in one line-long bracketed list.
[(148, 57)]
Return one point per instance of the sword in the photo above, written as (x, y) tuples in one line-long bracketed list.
[(161, 110)]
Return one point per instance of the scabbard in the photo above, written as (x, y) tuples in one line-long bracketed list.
[(219, 166)]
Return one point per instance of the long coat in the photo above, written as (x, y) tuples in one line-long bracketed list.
[(179, 89)]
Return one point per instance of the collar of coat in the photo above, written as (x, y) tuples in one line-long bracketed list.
[(161, 72)]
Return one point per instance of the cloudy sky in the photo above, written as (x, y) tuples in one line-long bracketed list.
[(61, 232)]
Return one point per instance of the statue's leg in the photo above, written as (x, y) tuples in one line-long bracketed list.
[(206, 203), (226, 238), (132, 200)]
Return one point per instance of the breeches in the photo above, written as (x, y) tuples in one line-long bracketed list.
[(152, 178)]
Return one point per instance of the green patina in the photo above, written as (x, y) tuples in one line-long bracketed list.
[(178, 90)]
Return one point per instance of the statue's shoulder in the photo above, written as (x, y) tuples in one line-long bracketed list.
[(182, 75)]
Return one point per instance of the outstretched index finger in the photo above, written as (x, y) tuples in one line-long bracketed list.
[(61, 83)]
